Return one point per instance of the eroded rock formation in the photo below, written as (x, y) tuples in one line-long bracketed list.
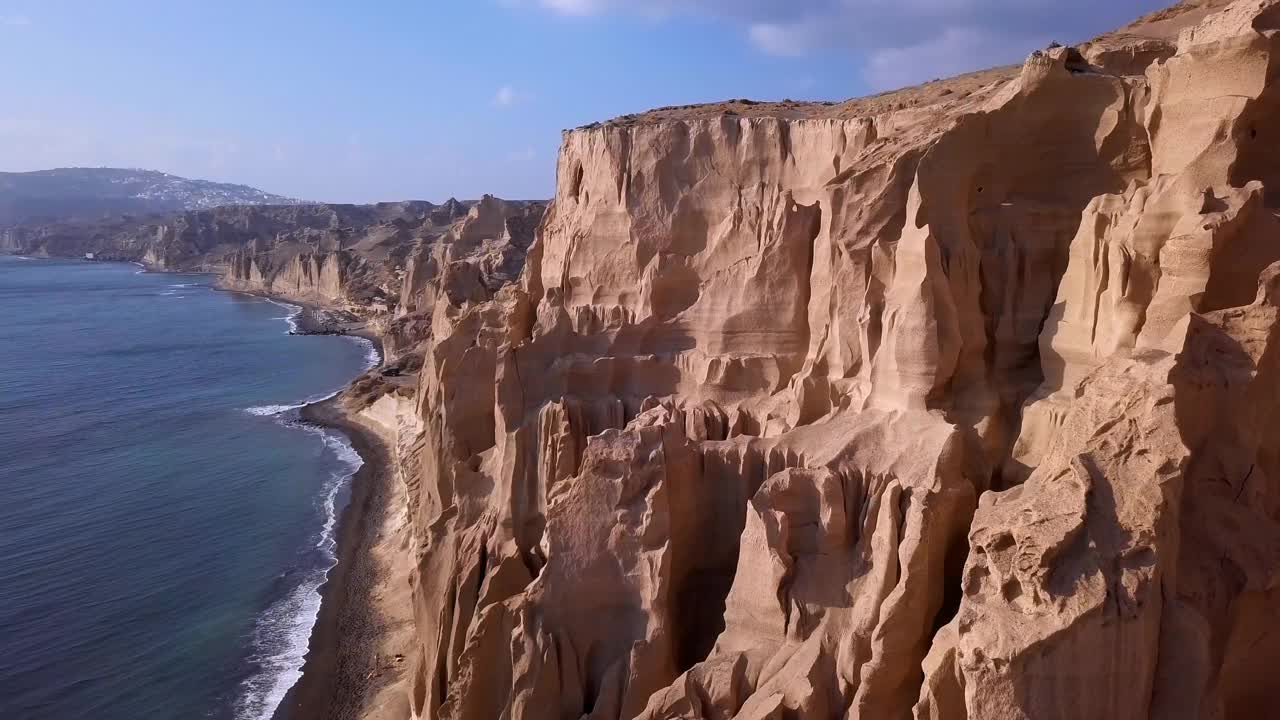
[(954, 403), (355, 256), (358, 258)]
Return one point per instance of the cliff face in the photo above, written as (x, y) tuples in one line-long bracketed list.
[(316, 276), (350, 256), (953, 403), (394, 265), (478, 254), (206, 239)]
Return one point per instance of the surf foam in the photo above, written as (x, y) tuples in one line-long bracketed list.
[(273, 410), (295, 312), (281, 635)]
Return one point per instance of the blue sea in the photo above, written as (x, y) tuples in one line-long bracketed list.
[(165, 519)]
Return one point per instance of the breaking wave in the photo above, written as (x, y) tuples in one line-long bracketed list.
[(282, 633)]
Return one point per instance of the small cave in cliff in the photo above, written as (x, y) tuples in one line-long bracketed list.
[(575, 190)]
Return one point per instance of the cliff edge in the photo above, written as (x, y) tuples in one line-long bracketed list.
[(957, 402)]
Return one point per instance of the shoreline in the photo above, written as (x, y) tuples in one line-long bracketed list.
[(314, 319), (354, 653), (341, 674), (341, 671)]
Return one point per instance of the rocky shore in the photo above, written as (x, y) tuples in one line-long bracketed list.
[(319, 320)]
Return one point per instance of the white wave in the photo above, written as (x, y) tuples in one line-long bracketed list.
[(284, 628), (344, 450), (372, 356), (283, 632), (347, 454), (295, 312), (141, 268), (23, 257), (273, 410)]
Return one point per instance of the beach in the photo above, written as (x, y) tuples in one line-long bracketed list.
[(359, 644), (357, 651)]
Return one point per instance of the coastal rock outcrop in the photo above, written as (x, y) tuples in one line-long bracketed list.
[(358, 259), (958, 402)]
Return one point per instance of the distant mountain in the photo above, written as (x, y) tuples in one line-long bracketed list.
[(93, 193)]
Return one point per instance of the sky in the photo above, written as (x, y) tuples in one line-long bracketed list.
[(369, 100)]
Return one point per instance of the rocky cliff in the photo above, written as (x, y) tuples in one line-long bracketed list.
[(388, 265), (348, 256), (957, 402)]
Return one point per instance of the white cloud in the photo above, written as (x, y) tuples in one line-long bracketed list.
[(749, 9), (506, 96), (576, 7), (896, 40), (787, 40), (15, 20), (956, 50)]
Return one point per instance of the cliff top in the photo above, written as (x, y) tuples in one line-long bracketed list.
[(926, 94), (1152, 35)]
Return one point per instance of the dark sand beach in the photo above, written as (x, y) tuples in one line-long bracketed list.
[(342, 665)]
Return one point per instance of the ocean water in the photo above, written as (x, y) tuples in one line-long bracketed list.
[(165, 520)]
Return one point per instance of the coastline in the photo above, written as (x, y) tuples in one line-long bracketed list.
[(347, 664), (344, 669), (314, 318), (309, 636), (354, 653), (340, 670)]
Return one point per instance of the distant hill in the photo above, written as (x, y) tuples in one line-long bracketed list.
[(93, 193)]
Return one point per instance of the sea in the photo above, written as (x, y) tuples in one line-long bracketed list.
[(166, 519)]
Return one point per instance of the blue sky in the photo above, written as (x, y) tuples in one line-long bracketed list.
[(427, 99)]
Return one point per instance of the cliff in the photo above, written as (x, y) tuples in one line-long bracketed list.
[(957, 402), (346, 256), (328, 254)]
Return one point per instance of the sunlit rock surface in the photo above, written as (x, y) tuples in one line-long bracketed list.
[(957, 402)]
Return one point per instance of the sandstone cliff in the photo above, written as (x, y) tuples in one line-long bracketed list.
[(360, 261), (346, 256), (958, 402)]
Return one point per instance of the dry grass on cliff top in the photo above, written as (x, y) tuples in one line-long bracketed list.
[(930, 93), (1162, 25)]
